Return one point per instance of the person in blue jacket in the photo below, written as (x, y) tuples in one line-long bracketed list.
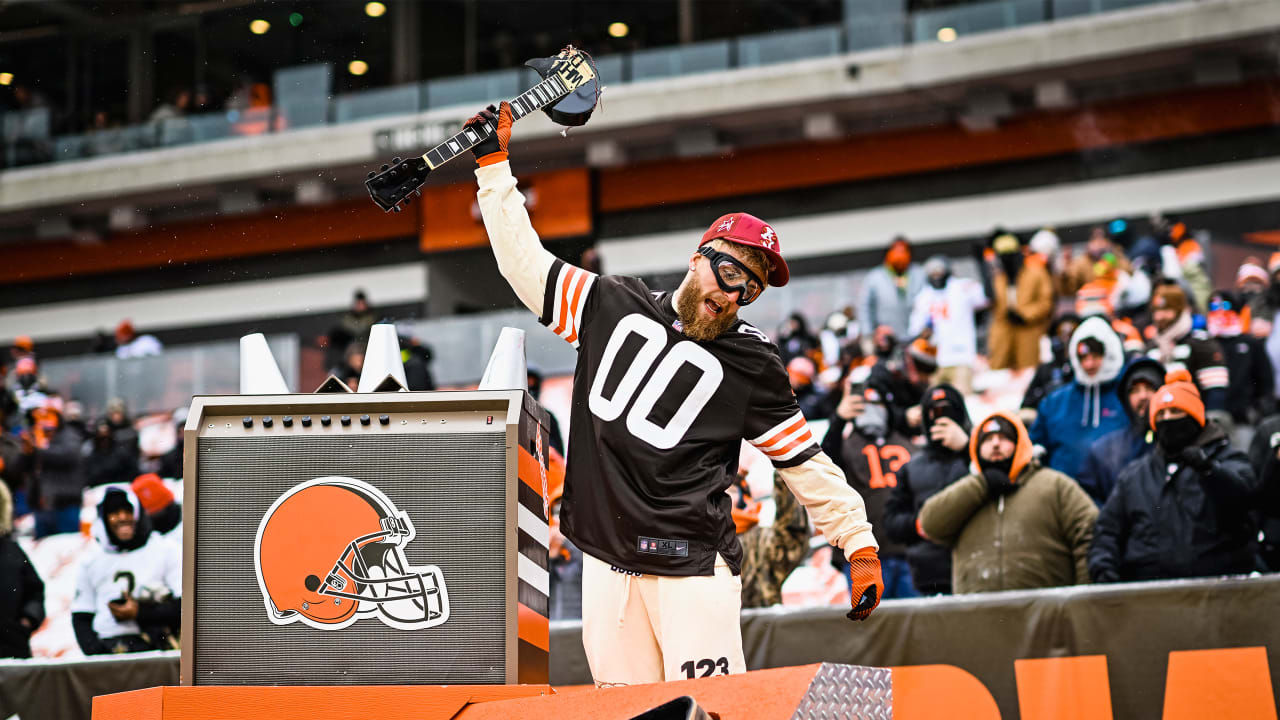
[(1113, 451), (1073, 417)]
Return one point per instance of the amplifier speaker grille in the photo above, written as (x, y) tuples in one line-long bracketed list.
[(434, 478)]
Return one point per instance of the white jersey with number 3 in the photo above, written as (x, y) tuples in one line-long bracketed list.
[(105, 575)]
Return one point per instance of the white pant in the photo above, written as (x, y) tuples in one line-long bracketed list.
[(650, 628)]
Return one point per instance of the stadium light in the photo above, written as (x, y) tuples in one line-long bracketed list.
[(295, 19), (357, 67), (259, 27), (618, 29), (6, 78), (946, 34), (375, 9)]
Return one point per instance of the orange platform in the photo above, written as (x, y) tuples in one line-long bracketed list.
[(930, 692)]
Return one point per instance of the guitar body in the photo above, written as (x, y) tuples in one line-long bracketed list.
[(575, 108), (567, 94)]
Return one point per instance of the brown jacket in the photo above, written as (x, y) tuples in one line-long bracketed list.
[(1035, 537), (1018, 346), (1080, 271)]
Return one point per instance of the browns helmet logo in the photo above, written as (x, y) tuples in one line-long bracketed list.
[(330, 551)]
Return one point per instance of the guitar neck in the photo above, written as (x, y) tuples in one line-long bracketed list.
[(535, 98)]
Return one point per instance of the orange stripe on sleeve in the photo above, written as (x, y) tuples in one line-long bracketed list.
[(804, 438), (570, 275), (579, 282), (783, 432)]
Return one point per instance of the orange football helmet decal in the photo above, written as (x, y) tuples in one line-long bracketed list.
[(330, 551)]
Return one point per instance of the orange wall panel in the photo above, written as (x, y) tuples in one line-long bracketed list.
[(757, 170), (298, 228), (559, 205)]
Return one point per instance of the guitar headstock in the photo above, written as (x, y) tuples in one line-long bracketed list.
[(574, 68), (395, 184)]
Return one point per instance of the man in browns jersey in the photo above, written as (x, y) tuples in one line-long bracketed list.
[(666, 388)]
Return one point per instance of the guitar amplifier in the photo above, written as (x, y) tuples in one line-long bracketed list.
[(365, 539)]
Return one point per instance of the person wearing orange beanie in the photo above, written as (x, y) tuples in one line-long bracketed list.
[(1184, 509), (157, 501)]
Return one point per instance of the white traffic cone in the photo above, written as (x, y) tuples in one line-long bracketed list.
[(259, 374), (382, 358), (508, 368)]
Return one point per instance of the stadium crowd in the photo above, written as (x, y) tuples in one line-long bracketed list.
[(1146, 444)]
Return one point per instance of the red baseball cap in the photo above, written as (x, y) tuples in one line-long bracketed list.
[(749, 230)]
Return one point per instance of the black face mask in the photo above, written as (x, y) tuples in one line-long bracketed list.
[(26, 381), (885, 349), (1003, 466), (1012, 263), (938, 281), (1174, 436), (1273, 293), (1059, 349)]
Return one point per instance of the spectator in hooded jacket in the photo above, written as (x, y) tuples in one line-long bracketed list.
[(1177, 346), (1264, 456), (861, 440), (129, 589), (28, 390), (889, 290), (946, 307), (1075, 416), (1183, 510), (1251, 389), (58, 473), (1252, 282), (944, 460), (1055, 372), (21, 589), (158, 502), (109, 462), (1022, 303), (795, 340), (1091, 264), (122, 430), (1113, 451), (1012, 525)]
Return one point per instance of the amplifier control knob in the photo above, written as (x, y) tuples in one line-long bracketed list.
[(325, 420), (346, 420), (384, 419), (248, 421), (287, 421), (306, 421), (267, 421), (364, 419)]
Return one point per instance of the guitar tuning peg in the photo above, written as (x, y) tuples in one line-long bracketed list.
[(396, 208), (371, 174), (384, 167), (395, 161), (418, 192)]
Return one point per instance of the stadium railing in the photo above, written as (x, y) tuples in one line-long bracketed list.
[(27, 140)]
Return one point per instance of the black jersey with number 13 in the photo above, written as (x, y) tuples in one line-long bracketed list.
[(657, 424)]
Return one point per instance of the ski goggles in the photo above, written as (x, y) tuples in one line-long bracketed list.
[(733, 276)]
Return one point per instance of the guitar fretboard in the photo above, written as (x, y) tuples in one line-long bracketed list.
[(535, 98)]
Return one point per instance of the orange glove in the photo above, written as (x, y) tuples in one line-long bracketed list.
[(868, 586), (492, 149)]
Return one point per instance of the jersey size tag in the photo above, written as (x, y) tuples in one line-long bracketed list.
[(659, 546)]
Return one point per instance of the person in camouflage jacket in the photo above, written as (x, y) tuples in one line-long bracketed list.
[(769, 554)]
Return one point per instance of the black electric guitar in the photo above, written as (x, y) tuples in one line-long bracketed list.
[(567, 94)]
